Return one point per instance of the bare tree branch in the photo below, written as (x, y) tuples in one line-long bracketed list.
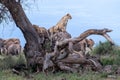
[(74, 59)]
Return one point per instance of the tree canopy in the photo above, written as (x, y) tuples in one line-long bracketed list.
[(4, 12)]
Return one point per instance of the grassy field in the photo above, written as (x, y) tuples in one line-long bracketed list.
[(8, 75), (108, 56)]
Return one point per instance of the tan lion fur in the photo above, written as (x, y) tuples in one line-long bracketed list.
[(61, 25)]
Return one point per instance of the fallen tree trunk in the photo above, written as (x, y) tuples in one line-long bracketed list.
[(72, 60), (67, 44)]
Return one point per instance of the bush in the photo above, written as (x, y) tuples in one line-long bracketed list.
[(103, 48), (107, 60), (8, 61), (109, 55)]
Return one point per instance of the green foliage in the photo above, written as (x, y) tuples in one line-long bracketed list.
[(103, 48), (103, 75), (8, 61), (109, 55), (107, 60), (110, 60), (21, 59)]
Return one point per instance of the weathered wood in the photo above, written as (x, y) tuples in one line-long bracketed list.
[(85, 34), (68, 44), (72, 60)]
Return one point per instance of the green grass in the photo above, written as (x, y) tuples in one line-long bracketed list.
[(8, 75), (67, 76)]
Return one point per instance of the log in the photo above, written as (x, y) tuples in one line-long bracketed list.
[(67, 44), (72, 60)]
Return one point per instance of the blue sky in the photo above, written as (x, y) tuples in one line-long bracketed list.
[(86, 14)]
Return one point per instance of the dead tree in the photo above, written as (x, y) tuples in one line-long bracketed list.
[(66, 58)]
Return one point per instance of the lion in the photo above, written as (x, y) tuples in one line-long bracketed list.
[(40, 29), (14, 49), (90, 43), (10, 41), (83, 47), (8, 45), (61, 25), (42, 32)]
